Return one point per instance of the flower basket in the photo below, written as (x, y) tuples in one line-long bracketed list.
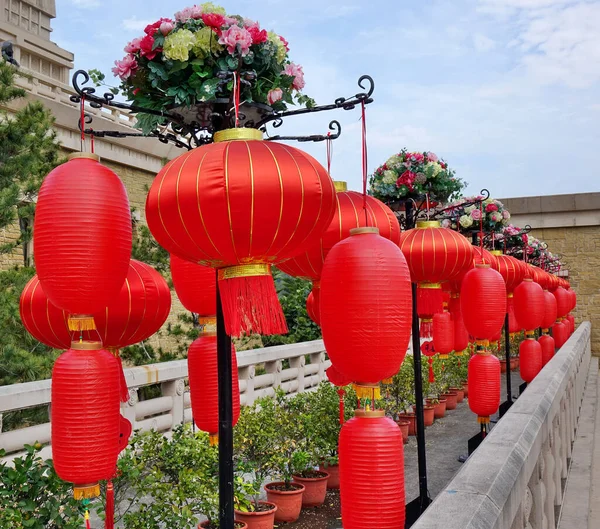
[(416, 176), (194, 64), (462, 214)]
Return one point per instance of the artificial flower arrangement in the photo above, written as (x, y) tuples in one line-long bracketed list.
[(415, 175), (511, 237), (466, 215), (189, 59)]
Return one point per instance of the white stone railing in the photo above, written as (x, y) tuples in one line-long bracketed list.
[(516, 478), (307, 365)]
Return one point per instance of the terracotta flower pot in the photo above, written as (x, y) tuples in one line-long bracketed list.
[(460, 394), (289, 502), (259, 519), (428, 413), (503, 366), (412, 418), (238, 525), (315, 488), (404, 425), (334, 475), (466, 389), (439, 408), (451, 400), (514, 363)]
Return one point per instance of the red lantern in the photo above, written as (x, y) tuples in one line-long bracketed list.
[(366, 306), (510, 269), (204, 385), (371, 458), (434, 255), (484, 386), (571, 321), (239, 205), (560, 333), (562, 302), (337, 378), (196, 286), (443, 334), (461, 335), (311, 308), (548, 346), (82, 237), (550, 311), (85, 436), (530, 305), (349, 214), (530, 359)]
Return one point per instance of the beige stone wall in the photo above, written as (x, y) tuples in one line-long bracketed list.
[(580, 251), (8, 236)]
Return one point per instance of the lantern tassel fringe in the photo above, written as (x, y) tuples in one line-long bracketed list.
[(109, 520), (81, 323), (426, 328), (213, 439), (430, 301), (251, 305), (367, 392), (86, 492)]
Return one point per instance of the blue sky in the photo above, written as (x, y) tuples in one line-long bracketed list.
[(507, 91)]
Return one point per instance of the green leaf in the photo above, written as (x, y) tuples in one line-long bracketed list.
[(208, 89)]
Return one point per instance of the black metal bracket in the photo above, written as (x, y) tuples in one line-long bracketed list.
[(484, 193)]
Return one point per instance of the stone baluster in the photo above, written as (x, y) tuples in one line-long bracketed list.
[(537, 516), (274, 368), (247, 374), (298, 363), (548, 477), (128, 408), (319, 358), (175, 389)]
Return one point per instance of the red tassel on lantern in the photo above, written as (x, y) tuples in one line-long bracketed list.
[(443, 334), (85, 436), (548, 346), (366, 306), (484, 386), (82, 237), (530, 359), (429, 351), (239, 205), (530, 305), (204, 385), (371, 458)]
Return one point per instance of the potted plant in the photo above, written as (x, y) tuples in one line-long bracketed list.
[(414, 175), (439, 406), (398, 397), (314, 481)]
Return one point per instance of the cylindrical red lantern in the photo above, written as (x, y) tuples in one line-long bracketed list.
[(562, 302), (484, 386), (82, 237), (371, 458), (85, 417), (560, 333), (204, 385), (461, 335), (550, 311), (311, 308), (529, 303), (530, 359), (571, 321), (443, 334), (196, 286), (239, 205), (548, 346), (434, 254), (366, 306)]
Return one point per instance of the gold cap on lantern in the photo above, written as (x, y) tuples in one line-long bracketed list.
[(245, 270), (86, 345), (85, 155), (238, 134), (340, 186), (422, 224), (496, 252), (369, 414), (362, 231)]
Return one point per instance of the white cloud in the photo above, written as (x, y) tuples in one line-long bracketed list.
[(135, 24), (483, 43), (86, 4)]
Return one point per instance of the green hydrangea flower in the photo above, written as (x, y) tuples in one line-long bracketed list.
[(178, 45)]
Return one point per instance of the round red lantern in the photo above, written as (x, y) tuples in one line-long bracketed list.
[(530, 359), (434, 254), (366, 307), (204, 385), (510, 269), (443, 334), (239, 205), (484, 385), (82, 237), (337, 378), (530, 305), (85, 436), (371, 458), (548, 346), (196, 286), (550, 311), (311, 308)]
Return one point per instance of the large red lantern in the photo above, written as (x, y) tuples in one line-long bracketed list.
[(484, 385), (529, 303), (371, 458), (366, 306), (204, 385), (550, 311), (530, 359), (510, 269), (85, 436), (239, 205), (443, 334), (434, 254), (461, 335), (548, 347), (196, 286), (82, 237)]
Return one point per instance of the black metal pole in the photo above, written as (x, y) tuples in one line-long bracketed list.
[(226, 514), (507, 350)]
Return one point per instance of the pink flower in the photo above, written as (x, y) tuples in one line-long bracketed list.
[(476, 214), (407, 179), (166, 27), (431, 157), (285, 43), (151, 29), (136, 91), (274, 95), (213, 20), (491, 207), (236, 37), (231, 21), (184, 15), (196, 12), (295, 71), (446, 223), (416, 157), (146, 46), (505, 215), (125, 68), (133, 46)]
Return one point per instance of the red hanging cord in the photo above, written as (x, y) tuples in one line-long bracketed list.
[(236, 97), (364, 159), (92, 141), (481, 228)]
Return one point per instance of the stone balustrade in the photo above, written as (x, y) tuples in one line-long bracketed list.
[(294, 368), (516, 478)]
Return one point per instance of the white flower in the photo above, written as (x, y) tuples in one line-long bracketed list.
[(470, 209), (466, 221), (389, 177)]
